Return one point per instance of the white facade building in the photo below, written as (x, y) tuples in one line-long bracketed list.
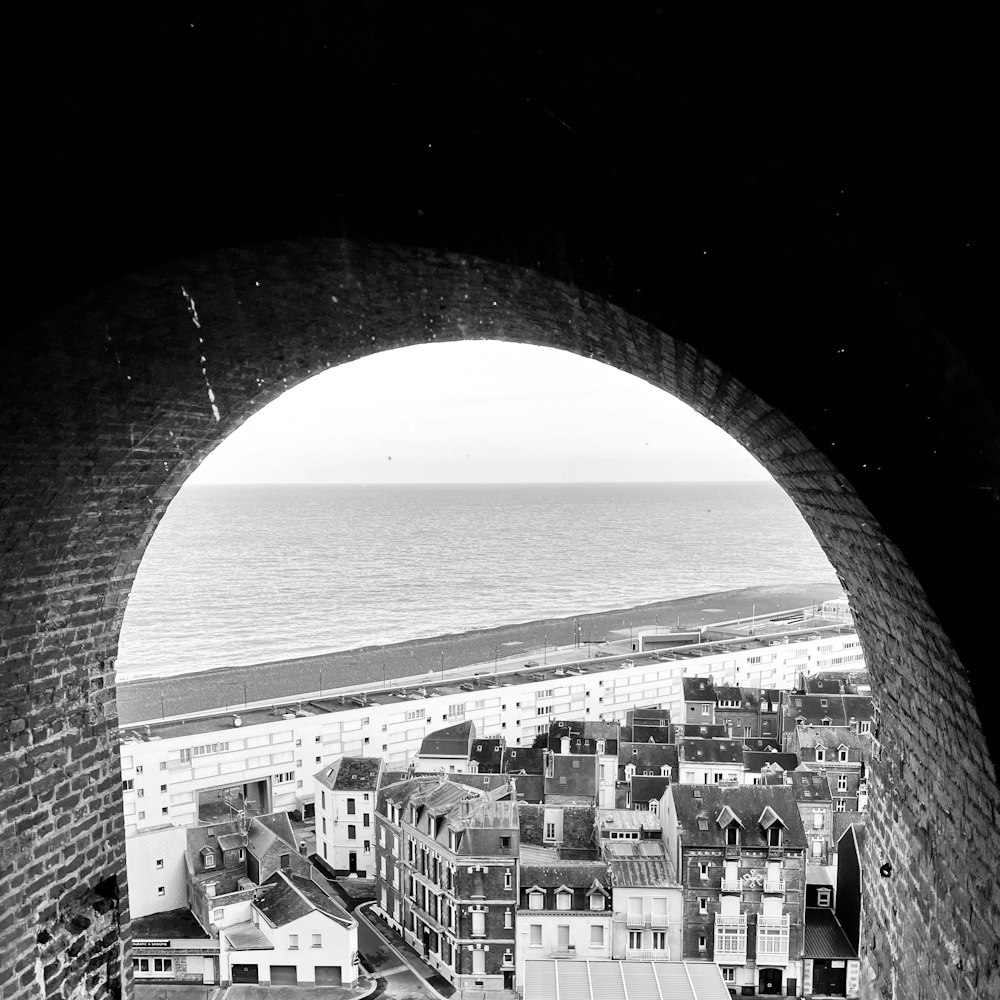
[(154, 862), (345, 814), (265, 758)]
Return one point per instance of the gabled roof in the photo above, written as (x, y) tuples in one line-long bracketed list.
[(727, 817), (452, 741), (824, 937), (531, 760), (839, 708), (756, 762), (704, 731), (807, 786), (487, 752), (351, 774), (647, 755), (290, 897), (707, 802), (828, 737), (646, 787), (265, 830)]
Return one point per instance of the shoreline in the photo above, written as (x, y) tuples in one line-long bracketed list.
[(145, 698)]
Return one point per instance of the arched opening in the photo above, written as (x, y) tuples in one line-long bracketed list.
[(109, 423)]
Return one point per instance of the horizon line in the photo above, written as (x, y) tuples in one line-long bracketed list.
[(498, 482)]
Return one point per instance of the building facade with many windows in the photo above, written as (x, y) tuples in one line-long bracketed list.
[(345, 814)]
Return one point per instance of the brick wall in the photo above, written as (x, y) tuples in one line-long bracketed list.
[(111, 411)]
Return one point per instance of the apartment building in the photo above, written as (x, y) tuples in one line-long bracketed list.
[(648, 902), (815, 804), (739, 852), (344, 814), (447, 877), (709, 761), (598, 738), (197, 769), (835, 753)]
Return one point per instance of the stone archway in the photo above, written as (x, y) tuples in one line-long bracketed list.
[(119, 397)]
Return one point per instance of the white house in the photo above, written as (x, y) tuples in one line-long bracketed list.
[(565, 908), (345, 814), (296, 935), (648, 902), (157, 877)]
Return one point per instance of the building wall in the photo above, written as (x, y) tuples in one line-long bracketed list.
[(674, 897), (578, 921), (333, 841), (155, 861)]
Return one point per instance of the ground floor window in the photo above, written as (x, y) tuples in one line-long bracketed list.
[(728, 974), (161, 965)]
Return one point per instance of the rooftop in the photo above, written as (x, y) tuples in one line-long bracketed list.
[(698, 751), (290, 897), (824, 937), (629, 819), (546, 979), (649, 872), (698, 808), (171, 924), (452, 741), (573, 874), (351, 774)]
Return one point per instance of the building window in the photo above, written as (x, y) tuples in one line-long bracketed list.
[(164, 811), (774, 836), (163, 788), (141, 793), (703, 904), (128, 785), (660, 940), (209, 859), (366, 820), (550, 831), (478, 923), (141, 815), (536, 900), (841, 782), (324, 825), (866, 727), (507, 880), (535, 938), (317, 940), (842, 755), (822, 897), (596, 901), (293, 941), (703, 870), (367, 847), (732, 835), (702, 943), (818, 819), (820, 755), (159, 863), (161, 891), (350, 807), (635, 939), (508, 920), (841, 805), (596, 936), (704, 710), (505, 841), (728, 974), (217, 915), (352, 832), (564, 900), (322, 800)]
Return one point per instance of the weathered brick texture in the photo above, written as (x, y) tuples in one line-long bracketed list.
[(112, 412)]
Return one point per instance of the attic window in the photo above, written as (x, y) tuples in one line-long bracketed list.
[(564, 900), (576, 764), (702, 823), (536, 900), (209, 859), (479, 746)]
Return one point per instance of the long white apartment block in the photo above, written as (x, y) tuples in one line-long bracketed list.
[(266, 755)]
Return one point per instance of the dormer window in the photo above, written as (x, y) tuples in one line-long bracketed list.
[(842, 754), (654, 806), (564, 899), (800, 720), (820, 754), (774, 836), (600, 746), (597, 900), (536, 900), (732, 835), (209, 859)]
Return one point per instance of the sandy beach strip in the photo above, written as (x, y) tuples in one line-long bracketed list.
[(150, 698)]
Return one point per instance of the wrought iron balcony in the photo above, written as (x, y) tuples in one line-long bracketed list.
[(732, 885)]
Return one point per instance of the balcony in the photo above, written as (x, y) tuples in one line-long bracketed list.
[(730, 939), (732, 852), (775, 853), (635, 918), (732, 885), (659, 920), (775, 885), (647, 954), (772, 940)]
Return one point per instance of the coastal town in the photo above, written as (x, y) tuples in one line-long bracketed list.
[(666, 812)]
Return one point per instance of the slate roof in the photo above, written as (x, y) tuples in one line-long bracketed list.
[(594, 979), (646, 755), (265, 830), (698, 688), (747, 802), (648, 786), (765, 744), (179, 923), (528, 787), (572, 774), (646, 734), (839, 708), (528, 759), (703, 730), (836, 682), (573, 874), (351, 774), (843, 821), (638, 871), (200, 837), (809, 786), (755, 762), (487, 752), (629, 819), (827, 736), (290, 897), (452, 741), (696, 751), (824, 937), (583, 734), (487, 815)]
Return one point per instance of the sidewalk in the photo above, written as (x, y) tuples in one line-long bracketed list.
[(435, 983)]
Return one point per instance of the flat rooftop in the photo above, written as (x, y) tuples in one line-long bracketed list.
[(726, 636)]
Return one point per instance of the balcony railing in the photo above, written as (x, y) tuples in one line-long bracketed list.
[(635, 919), (732, 885), (732, 852), (772, 939), (775, 853), (774, 885), (647, 954), (659, 920), (730, 939)]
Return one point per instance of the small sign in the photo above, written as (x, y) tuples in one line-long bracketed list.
[(150, 943)]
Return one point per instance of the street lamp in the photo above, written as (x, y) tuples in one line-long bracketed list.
[(545, 648), (442, 666)]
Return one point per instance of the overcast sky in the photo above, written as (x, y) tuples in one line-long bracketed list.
[(480, 412)]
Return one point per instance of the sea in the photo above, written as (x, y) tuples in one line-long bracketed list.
[(241, 574)]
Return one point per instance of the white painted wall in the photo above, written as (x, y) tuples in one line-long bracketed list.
[(154, 861)]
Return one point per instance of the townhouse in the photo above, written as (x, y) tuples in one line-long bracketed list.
[(344, 814), (815, 804), (837, 754), (739, 851)]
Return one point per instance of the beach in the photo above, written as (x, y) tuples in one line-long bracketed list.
[(223, 687)]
